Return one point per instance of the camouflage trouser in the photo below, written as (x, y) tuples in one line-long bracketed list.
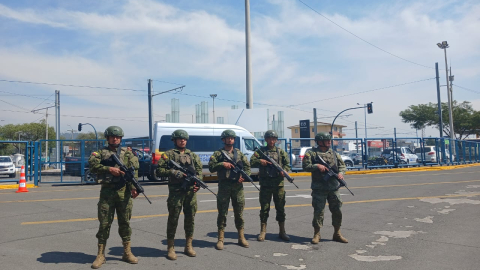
[(266, 194), (227, 191), (319, 199), (112, 200), (179, 198)]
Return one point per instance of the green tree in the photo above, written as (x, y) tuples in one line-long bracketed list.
[(27, 132), (466, 120)]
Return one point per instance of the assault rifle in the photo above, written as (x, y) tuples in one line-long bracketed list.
[(130, 176), (237, 169), (277, 166), (191, 178), (331, 173)]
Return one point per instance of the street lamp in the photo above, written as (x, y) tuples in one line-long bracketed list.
[(444, 46), (213, 96)]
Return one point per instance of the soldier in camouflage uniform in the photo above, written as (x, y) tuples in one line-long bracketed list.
[(271, 183), (322, 190), (115, 194), (178, 197), (229, 187)]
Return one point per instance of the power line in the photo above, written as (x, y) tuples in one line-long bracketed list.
[(461, 87), (15, 94), (90, 117), (369, 43), (167, 82), (72, 85), (43, 101), (362, 92)]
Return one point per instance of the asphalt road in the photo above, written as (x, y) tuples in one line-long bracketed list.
[(418, 220)]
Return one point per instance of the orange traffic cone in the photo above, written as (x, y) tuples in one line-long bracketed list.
[(22, 185)]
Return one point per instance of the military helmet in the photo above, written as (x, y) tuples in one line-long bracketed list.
[(228, 133), (271, 134), (322, 136), (180, 134), (113, 131)]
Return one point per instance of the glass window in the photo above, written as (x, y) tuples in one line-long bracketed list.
[(197, 143), (408, 151), (5, 159), (251, 144), (296, 130), (335, 128)]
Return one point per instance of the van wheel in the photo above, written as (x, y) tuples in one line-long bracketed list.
[(348, 163)]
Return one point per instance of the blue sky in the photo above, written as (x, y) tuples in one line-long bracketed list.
[(298, 56)]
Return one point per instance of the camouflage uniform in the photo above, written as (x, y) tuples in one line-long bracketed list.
[(179, 198), (111, 198), (323, 191), (229, 187), (271, 182)]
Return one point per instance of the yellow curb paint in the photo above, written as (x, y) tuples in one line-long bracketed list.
[(256, 208), (15, 186)]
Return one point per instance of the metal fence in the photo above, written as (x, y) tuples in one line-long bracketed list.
[(20, 153)]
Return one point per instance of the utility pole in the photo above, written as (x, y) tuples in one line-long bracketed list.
[(440, 127), (315, 131), (213, 97), (46, 131), (57, 126), (247, 48), (150, 109), (444, 46), (356, 136)]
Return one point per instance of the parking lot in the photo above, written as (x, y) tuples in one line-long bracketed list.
[(417, 220)]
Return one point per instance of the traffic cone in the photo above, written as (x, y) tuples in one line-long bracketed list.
[(22, 185)]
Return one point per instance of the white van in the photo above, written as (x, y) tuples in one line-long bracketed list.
[(204, 139)]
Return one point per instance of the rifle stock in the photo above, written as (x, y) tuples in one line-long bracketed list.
[(277, 166), (130, 176), (331, 173), (237, 169)]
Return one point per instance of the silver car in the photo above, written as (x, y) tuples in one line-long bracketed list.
[(299, 153), (7, 167)]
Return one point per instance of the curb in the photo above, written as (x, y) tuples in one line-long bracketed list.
[(15, 186), (414, 169)]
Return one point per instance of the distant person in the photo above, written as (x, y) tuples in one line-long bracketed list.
[(115, 195), (323, 191), (178, 197), (230, 187), (271, 183)]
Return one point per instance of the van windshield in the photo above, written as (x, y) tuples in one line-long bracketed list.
[(251, 144), (196, 143)]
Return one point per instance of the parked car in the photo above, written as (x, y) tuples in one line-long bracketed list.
[(356, 157), (7, 167), (299, 153), (403, 154), (431, 154)]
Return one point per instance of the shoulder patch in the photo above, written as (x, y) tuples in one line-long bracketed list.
[(94, 153), (256, 154), (164, 157)]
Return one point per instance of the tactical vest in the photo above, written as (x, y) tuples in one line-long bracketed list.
[(270, 169), (106, 160), (186, 161), (318, 181), (229, 174)]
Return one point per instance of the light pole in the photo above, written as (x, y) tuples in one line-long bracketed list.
[(19, 145), (444, 46), (213, 97)]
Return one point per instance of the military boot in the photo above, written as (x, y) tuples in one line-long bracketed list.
[(171, 250), (337, 236), (221, 237), (241, 239), (316, 236), (282, 234), (189, 248), (127, 254), (263, 232), (100, 257)]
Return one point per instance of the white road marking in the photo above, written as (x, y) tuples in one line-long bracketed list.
[(398, 234), (374, 258), (425, 220), (450, 201), (301, 247), (361, 251), (279, 254), (411, 206), (473, 186), (445, 211), (302, 266)]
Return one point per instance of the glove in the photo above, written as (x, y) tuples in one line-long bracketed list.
[(177, 174)]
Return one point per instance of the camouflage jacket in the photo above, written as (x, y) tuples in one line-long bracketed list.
[(227, 176), (100, 164), (269, 175), (309, 164), (187, 159)]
